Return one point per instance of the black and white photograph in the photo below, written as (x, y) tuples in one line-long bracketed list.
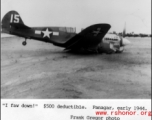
[(75, 49)]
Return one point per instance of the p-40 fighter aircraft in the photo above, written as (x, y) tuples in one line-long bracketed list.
[(91, 39)]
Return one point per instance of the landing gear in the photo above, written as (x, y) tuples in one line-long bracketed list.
[(24, 43), (120, 50)]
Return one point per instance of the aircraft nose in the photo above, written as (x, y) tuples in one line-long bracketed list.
[(125, 41)]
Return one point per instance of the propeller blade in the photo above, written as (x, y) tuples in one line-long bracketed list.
[(124, 31), (125, 42), (121, 41)]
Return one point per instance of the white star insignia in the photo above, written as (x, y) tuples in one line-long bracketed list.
[(47, 33)]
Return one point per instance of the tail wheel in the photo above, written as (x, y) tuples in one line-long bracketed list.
[(24, 43)]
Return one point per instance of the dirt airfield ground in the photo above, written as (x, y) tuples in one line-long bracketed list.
[(43, 71)]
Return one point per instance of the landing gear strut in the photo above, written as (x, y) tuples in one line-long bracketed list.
[(24, 43)]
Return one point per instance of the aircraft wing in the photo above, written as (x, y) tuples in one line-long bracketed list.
[(88, 38)]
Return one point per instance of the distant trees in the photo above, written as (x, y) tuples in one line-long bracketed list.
[(114, 32), (132, 34)]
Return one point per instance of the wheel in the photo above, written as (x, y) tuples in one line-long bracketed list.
[(120, 50), (24, 43)]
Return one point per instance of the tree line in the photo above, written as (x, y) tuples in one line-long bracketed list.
[(133, 34)]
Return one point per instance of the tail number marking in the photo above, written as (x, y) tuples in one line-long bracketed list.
[(16, 18)]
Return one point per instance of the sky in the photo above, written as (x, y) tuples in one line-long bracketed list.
[(82, 13)]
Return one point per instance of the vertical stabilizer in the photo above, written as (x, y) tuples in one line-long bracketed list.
[(11, 17)]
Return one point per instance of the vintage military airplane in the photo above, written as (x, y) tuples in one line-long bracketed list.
[(91, 39)]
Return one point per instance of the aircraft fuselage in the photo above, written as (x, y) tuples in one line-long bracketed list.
[(47, 34)]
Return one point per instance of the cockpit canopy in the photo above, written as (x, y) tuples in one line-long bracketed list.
[(68, 29)]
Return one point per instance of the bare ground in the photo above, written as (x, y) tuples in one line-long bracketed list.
[(43, 71)]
